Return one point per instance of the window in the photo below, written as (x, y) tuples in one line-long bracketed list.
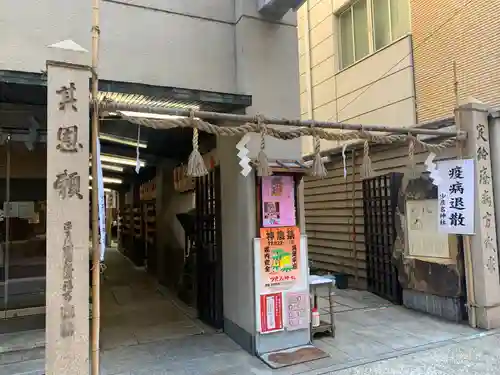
[(369, 25), (346, 38), (360, 26), (400, 18)]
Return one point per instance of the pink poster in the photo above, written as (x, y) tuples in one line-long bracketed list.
[(278, 201), (297, 310)]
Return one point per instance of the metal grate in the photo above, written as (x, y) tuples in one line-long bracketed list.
[(209, 249), (150, 101), (380, 197)]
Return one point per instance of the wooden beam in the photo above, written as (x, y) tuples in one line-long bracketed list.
[(236, 118)]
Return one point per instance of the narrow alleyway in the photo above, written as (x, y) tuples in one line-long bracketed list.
[(145, 329), (135, 310)]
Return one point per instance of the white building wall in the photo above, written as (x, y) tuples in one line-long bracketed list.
[(187, 44), (266, 56)]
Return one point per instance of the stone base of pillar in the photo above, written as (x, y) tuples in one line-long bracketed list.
[(488, 317)]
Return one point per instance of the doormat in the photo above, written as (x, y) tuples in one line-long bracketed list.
[(293, 356)]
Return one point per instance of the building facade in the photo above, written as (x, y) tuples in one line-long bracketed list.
[(217, 55), (393, 62)]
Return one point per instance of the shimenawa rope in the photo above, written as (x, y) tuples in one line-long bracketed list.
[(196, 165)]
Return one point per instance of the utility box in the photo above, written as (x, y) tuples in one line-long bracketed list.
[(276, 9)]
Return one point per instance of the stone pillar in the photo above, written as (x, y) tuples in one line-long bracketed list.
[(484, 248), (238, 210), (67, 316), (494, 133)]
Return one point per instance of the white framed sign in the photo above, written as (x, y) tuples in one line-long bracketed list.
[(424, 239), (456, 196), (263, 293)]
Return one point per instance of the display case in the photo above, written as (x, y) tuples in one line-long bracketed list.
[(147, 197), (149, 215)]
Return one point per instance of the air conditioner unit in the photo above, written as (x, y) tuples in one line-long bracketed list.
[(276, 9)]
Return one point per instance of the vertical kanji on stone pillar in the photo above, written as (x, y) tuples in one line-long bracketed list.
[(67, 314), (473, 117)]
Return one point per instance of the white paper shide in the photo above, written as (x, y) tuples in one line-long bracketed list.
[(456, 196)]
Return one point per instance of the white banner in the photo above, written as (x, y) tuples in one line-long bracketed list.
[(456, 196), (101, 202)]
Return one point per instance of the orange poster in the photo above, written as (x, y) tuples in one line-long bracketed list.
[(279, 258)]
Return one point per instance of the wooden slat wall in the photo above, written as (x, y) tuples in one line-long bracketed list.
[(329, 208), (328, 212)]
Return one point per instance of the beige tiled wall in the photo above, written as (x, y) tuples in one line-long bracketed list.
[(375, 90), (471, 39)]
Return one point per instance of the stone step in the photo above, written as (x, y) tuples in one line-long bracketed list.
[(29, 367), (22, 355)]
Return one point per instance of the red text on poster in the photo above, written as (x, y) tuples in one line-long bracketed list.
[(280, 257), (271, 312)]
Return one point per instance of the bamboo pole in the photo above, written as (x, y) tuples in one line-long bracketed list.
[(235, 118), (96, 269), (469, 274)]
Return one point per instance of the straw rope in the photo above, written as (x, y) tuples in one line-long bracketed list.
[(288, 134), (197, 167), (412, 170), (318, 167), (263, 169)]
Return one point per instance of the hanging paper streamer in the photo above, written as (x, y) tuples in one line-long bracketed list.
[(32, 135), (244, 163), (101, 200), (137, 160), (432, 168), (344, 161)]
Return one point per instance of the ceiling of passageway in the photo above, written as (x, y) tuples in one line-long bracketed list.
[(23, 99)]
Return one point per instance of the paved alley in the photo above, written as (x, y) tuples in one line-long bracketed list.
[(135, 310)]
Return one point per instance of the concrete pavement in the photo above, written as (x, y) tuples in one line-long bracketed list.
[(476, 355), (144, 331)]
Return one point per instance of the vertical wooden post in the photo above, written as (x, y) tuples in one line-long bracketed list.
[(96, 264), (67, 320), (469, 278)]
